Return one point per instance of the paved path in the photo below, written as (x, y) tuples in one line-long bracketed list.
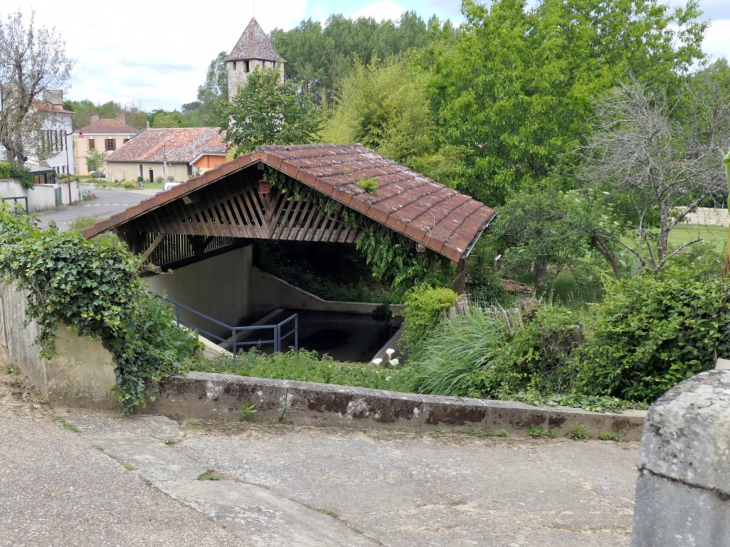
[(284, 485), (108, 202)]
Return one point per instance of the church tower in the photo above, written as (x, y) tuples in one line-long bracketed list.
[(253, 49)]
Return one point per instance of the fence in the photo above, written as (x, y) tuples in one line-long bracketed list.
[(233, 341), (15, 199), (511, 317)]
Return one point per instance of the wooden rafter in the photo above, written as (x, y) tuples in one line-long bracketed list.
[(151, 248)]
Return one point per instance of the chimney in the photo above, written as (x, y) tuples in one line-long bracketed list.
[(93, 118), (53, 96), (121, 118)]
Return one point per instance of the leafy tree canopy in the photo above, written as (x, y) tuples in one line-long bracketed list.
[(319, 57), (268, 112), (213, 94), (516, 88)]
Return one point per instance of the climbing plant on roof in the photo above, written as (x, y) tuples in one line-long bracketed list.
[(393, 257)]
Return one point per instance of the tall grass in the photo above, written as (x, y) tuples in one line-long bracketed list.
[(443, 363)]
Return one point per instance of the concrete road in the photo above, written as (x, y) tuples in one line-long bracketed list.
[(108, 202), (147, 480)]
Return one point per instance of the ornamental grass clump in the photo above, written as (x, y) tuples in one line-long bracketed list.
[(446, 361), (93, 287)]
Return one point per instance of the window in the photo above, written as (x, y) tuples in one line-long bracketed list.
[(110, 145), (92, 144), (61, 137), (190, 169), (234, 65), (245, 66), (141, 173), (55, 137)]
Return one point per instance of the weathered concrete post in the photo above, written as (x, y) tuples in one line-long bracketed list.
[(683, 491)]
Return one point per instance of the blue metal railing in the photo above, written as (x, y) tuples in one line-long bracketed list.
[(15, 201), (233, 341)]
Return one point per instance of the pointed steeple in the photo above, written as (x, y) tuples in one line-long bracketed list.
[(254, 45)]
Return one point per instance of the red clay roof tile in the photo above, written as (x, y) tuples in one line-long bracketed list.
[(442, 219)]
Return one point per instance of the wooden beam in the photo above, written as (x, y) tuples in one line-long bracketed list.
[(151, 248), (459, 284)]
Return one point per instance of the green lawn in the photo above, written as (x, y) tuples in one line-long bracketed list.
[(710, 234), (153, 186)]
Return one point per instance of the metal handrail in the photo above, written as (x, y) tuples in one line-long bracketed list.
[(15, 201), (294, 331), (233, 340)]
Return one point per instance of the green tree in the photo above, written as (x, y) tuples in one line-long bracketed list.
[(516, 89), (95, 159), (160, 118), (213, 94), (268, 112), (549, 231), (384, 107), (319, 57)]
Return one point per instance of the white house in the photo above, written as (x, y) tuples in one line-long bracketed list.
[(56, 137)]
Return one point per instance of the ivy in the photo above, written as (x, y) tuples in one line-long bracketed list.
[(393, 257), (93, 287)]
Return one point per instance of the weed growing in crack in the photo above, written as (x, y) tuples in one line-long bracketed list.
[(579, 432), (128, 467), (209, 476), (610, 436)]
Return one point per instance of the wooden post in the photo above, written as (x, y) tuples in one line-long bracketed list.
[(459, 283)]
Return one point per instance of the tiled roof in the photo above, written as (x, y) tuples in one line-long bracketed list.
[(175, 145), (254, 44), (44, 106), (430, 213), (109, 127)]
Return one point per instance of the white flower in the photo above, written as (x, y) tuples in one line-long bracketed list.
[(388, 378), (394, 362), (390, 352), (377, 361)]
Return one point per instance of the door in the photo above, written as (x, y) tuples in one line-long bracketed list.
[(152, 176)]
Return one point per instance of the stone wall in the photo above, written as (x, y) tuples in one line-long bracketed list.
[(683, 490)]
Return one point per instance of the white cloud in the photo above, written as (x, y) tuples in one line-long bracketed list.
[(155, 52), (717, 39), (380, 11)]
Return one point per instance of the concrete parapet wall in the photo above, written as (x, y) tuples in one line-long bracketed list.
[(268, 293), (80, 373), (221, 397), (683, 490)]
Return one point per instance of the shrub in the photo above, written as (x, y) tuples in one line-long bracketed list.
[(170, 179), (485, 289), (539, 357), (93, 287), (20, 174), (159, 180), (652, 333), (129, 184), (422, 310), (97, 175)]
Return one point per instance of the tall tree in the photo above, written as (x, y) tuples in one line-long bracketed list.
[(663, 156), (319, 57), (213, 94), (32, 60), (517, 88), (268, 112)]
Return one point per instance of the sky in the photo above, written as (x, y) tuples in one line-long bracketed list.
[(155, 52)]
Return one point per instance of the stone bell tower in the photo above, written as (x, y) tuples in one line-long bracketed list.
[(253, 49)]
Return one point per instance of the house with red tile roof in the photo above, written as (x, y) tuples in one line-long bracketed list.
[(169, 154), (105, 135)]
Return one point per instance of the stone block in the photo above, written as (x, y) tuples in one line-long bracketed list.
[(683, 491)]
